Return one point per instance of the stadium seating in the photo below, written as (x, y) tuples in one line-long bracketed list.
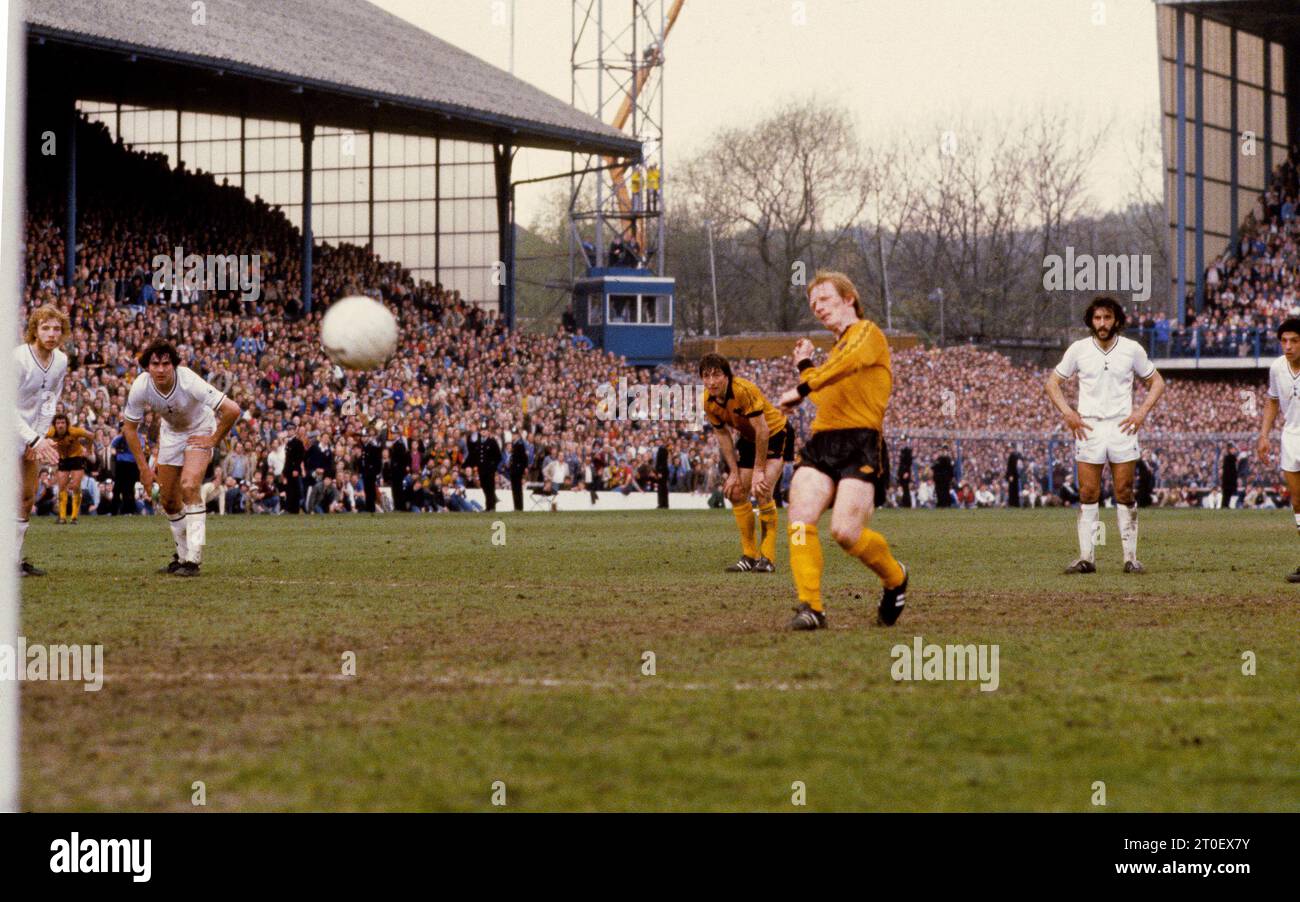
[(1249, 289), (460, 369)]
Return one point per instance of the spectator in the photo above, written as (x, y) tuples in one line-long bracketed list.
[(126, 473), (943, 476), (236, 499), (1228, 485), (1013, 478), (518, 466), (295, 470)]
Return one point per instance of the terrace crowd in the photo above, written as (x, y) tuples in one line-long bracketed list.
[(308, 428)]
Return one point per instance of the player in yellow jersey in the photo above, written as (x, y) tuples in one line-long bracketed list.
[(74, 443), (754, 459), (844, 464)]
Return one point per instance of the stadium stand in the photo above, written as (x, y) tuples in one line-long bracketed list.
[(459, 369), (979, 405), (1249, 289)]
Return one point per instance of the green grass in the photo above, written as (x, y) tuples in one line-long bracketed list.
[(522, 663)]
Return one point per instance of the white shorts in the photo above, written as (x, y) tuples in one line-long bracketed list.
[(1291, 452), (1106, 443), (171, 445)]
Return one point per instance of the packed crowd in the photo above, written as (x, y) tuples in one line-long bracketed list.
[(975, 406), (1251, 287), (458, 368), (310, 432)]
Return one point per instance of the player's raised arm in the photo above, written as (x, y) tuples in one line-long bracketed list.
[(865, 346), (803, 351)]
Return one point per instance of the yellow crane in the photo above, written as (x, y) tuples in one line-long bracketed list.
[(653, 58)]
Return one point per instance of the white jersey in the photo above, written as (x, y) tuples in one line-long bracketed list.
[(1284, 387), (189, 406), (39, 389), (1105, 377)]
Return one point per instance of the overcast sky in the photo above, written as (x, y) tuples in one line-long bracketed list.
[(896, 64)]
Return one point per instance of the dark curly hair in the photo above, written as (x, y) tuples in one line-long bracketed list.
[(1110, 304), (715, 362), (158, 346)]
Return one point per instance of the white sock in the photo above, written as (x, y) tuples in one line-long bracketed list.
[(24, 529), (1128, 530), (23, 524), (178, 534), (1086, 526), (196, 530)]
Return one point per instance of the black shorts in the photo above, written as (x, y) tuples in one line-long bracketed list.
[(69, 464), (849, 454), (779, 446)]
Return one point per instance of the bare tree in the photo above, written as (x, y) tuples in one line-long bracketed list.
[(970, 208), (967, 233), (893, 192), (784, 192), (982, 206), (1145, 213)]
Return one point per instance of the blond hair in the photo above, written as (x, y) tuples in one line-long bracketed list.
[(843, 285), (42, 314)]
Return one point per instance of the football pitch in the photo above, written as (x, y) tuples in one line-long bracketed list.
[(511, 661)]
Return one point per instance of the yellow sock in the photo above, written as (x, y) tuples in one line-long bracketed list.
[(76, 502), (744, 513), (806, 562), (767, 521), (63, 505), (872, 549)]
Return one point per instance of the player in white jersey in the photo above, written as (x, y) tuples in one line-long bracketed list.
[(194, 417), (42, 368), (1105, 426), (1284, 396)]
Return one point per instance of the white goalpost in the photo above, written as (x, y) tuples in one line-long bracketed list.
[(12, 187)]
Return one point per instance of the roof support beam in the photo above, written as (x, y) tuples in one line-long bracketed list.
[(1200, 168), (1234, 154), (1268, 113), (308, 137), (370, 190), (1180, 231), (70, 226), (504, 269)]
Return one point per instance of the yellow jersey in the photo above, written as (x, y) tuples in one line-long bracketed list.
[(73, 442), (851, 389), (744, 400)]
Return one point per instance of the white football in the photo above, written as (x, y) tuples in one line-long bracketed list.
[(358, 333)]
